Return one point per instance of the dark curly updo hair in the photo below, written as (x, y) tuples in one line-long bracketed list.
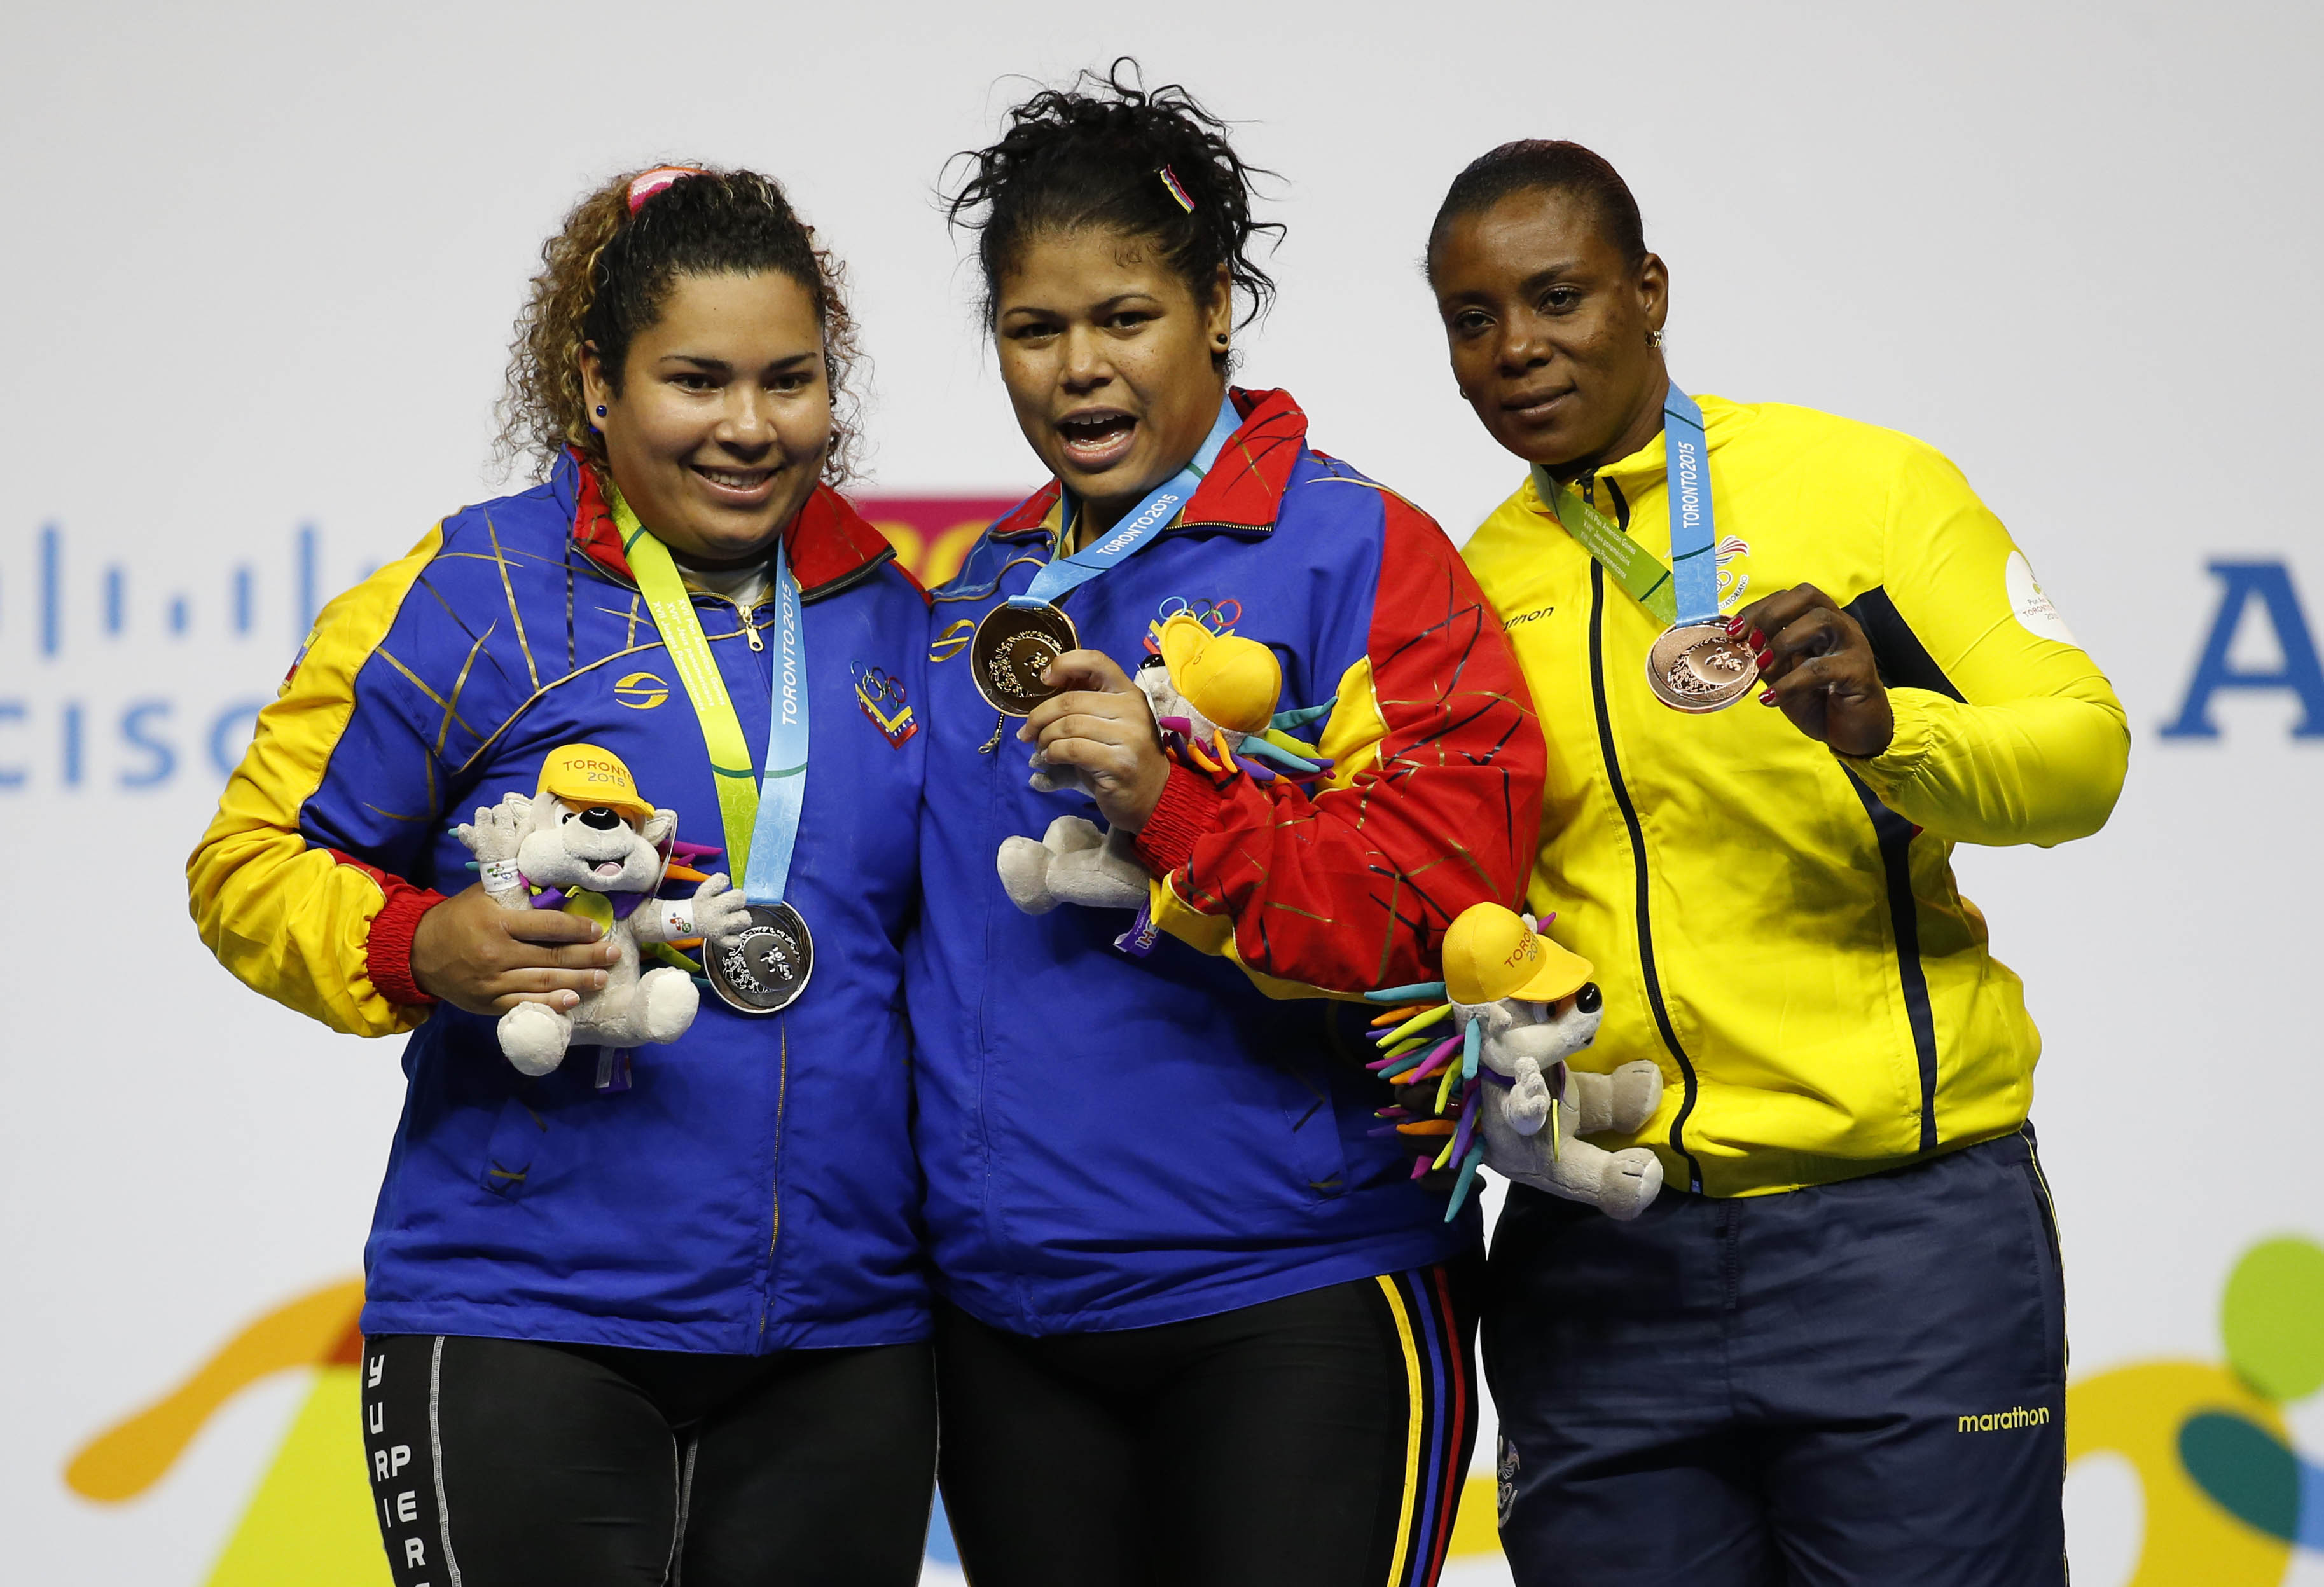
[(606, 274), (1094, 155)]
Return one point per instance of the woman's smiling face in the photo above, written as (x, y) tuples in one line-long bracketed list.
[(1111, 363), (719, 432)]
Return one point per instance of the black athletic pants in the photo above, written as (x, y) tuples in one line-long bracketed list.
[(502, 1463), (1316, 1440), (1854, 1385)]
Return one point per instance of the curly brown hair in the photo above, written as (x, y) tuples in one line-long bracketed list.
[(605, 275)]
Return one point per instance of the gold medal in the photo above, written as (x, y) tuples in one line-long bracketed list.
[(1699, 667), (1012, 647)]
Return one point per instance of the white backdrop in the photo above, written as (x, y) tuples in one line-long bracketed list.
[(261, 263)]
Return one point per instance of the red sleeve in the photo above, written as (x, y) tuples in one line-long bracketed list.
[(1352, 888), (387, 950)]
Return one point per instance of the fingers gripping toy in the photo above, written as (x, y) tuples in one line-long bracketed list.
[(1214, 697), (1515, 1009), (587, 843)]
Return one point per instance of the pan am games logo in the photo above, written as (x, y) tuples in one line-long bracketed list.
[(2227, 1496)]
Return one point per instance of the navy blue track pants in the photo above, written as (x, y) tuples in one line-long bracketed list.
[(1858, 1383)]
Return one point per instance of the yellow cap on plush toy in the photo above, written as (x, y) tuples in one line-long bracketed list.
[(1490, 953), (584, 774), (1233, 681)]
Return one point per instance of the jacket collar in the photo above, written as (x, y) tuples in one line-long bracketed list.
[(831, 546), (1241, 495)]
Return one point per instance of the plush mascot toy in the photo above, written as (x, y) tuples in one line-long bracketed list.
[(1214, 697), (587, 844), (1496, 1035)]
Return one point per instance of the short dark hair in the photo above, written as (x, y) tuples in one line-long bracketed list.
[(1093, 155), (1546, 165)]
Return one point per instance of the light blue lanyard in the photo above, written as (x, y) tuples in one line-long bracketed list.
[(1686, 474), (1065, 574), (782, 794)]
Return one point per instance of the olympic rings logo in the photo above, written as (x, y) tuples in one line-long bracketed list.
[(877, 686), (1218, 616)]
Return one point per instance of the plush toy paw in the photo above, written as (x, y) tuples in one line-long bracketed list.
[(1526, 1106), (1058, 779), (1635, 1091), (1632, 1180), (533, 1036), (1075, 862), (1024, 867), (666, 1004), (719, 911), (498, 831)]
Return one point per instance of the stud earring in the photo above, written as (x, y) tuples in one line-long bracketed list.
[(1653, 339), (601, 410)]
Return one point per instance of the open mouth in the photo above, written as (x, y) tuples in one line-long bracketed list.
[(1098, 438), (743, 487), (607, 868)]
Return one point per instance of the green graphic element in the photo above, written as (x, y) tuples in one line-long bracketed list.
[(2271, 1319), (2246, 1472)]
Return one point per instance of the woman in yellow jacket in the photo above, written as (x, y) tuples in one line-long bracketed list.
[(1833, 1350)]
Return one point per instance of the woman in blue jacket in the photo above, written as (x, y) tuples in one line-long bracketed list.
[(1198, 1325), (654, 1312)]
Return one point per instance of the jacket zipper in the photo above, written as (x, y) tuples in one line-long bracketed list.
[(1638, 854), (775, 1180)]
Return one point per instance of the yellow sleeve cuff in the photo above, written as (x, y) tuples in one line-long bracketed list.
[(1896, 768)]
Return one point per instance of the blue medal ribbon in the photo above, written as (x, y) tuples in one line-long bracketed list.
[(1063, 574), (782, 792), (1694, 540)]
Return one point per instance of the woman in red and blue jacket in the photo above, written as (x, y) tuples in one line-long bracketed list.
[(1196, 1322), (662, 1311)]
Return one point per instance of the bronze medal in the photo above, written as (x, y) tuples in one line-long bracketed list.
[(1012, 645), (1699, 667), (765, 969)]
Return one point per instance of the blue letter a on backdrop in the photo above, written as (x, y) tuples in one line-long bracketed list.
[(2301, 673)]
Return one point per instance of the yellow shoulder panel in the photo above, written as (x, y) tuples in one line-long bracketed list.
[(286, 918)]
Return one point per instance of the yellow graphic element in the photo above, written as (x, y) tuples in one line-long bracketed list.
[(640, 691), (933, 558), (1476, 1530), (311, 1520), (2136, 1412), (952, 641)]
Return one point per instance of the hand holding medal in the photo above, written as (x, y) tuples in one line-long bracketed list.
[(1097, 722), (1017, 641), (1819, 669)]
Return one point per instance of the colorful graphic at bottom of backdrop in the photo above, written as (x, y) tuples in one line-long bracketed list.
[(2228, 1497), (311, 1520)]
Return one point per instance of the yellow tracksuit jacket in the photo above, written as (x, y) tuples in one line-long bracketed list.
[(1774, 925)]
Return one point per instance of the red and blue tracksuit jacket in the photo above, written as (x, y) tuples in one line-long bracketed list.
[(1111, 1142), (753, 1190)]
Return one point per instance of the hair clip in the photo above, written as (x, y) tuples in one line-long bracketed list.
[(1170, 180), (646, 184)]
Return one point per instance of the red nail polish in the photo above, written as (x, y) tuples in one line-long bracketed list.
[(1759, 640), (1768, 697), (1765, 657), (1734, 628)]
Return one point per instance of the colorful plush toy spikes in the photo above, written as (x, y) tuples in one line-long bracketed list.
[(1414, 1049)]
